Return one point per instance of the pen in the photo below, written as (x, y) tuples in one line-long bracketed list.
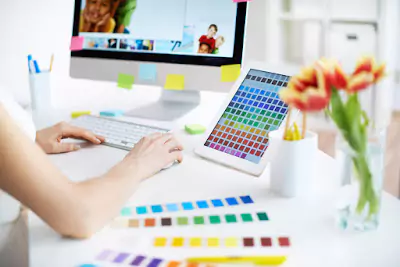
[(51, 62), (256, 260), (37, 70), (31, 67)]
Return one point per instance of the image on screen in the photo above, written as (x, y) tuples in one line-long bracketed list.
[(254, 111), (183, 27)]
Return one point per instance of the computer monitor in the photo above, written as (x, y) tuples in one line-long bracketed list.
[(192, 38)]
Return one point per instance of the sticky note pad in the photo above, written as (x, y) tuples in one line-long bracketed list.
[(125, 81), (77, 114), (175, 82), (111, 113), (195, 128), (148, 72), (77, 43), (230, 73)]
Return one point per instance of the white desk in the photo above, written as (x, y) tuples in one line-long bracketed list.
[(308, 221)]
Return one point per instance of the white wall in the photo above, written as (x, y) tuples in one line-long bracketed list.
[(43, 27)]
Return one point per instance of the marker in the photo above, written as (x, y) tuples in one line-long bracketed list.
[(257, 260), (31, 67), (37, 70), (51, 62)]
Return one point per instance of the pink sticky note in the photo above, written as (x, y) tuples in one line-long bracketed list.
[(77, 43), (239, 1)]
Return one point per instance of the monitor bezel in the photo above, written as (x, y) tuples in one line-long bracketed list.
[(168, 58)]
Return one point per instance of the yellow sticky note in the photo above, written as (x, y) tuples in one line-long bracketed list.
[(125, 81), (195, 242), (213, 242), (77, 114), (175, 82), (178, 242), (231, 242), (160, 242), (230, 73)]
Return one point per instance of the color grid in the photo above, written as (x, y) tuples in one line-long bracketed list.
[(193, 220), (254, 111), (215, 242), (186, 206)]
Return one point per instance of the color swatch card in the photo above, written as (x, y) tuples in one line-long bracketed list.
[(188, 221), (187, 206)]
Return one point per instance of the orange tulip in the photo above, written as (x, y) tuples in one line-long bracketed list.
[(360, 82), (367, 73)]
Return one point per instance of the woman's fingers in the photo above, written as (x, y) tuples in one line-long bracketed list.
[(176, 156), (76, 132), (173, 144)]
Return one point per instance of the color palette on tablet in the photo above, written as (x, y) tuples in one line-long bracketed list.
[(187, 206), (198, 220), (254, 111)]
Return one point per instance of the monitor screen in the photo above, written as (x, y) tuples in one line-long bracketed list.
[(255, 110), (172, 27)]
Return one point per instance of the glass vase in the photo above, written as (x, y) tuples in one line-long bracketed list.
[(361, 175)]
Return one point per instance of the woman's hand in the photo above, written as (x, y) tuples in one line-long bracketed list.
[(49, 139), (149, 156)]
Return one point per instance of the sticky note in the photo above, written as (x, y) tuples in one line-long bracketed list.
[(217, 203), (246, 199), (215, 219), (202, 204), (241, 1), (230, 218), (213, 242), (198, 220), (141, 210), (125, 81), (147, 72), (246, 217), (262, 216), (195, 128), (232, 201), (178, 242), (157, 208), (88, 265), (172, 207), (195, 242), (77, 43), (160, 242), (175, 82), (126, 212), (111, 113), (231, 242), (77, 114), (183, 220), (230, 73), (187, 206)]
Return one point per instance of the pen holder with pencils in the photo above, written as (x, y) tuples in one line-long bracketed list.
[(40, 90), (293, 164)]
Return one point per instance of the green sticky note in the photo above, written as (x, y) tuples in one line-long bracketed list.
[(198, 220), (126, 212), (125, 81), (183, 220), (230, 73), (230, 218), (215, 219), (246, 217), (195, 128), (262, 216), (174, 82)]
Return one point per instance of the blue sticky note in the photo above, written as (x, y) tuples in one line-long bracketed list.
[(247, 200), (88, 265), (148, 72), (217, 203), (187, 206), (141, 210), (202, 204), (172, 207), (126, 212), (111, 113), (156, 208), (232, 201)]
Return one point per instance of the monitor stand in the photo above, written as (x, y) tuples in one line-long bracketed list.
[(171, 106)]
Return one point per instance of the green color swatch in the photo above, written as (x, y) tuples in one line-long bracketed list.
[(214, 219), (262, 216), (195, 128), (246, 217), (126, 212), (183, 220), (125, 81), (230, 218), (198, 220)]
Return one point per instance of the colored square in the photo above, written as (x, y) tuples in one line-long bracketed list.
[(266, 241), (274, 115), (178, 242), (217, 203), (215, 219), (229, 73), (256, 124), (198, 220), (166, 221), (126, 212), (174, 264), (213, 242), (187, 206), (284, 241), (231, 242), (246, 217), (246, 199), (263, 112), (195, 242), (262, 216), (202, 204), (265, 119), (182, 220), (172, 207), (138, 260), (133, 223), (156, 208), (76, 43), (148, 72), (160, 242), (104, 255), (125, 81), (276, 123), (280, 116), (232, 201), (149, 222), (174, 82), (121, 258), (230, 218), (235, 118), (248, 242), (195, 128), (155, 262)]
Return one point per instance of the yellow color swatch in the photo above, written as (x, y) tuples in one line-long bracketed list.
[(195, 242), (178, 242), (252, 130), (247, 128), (258, 131), (213, 242), (230, 73), (241, 126), (160, 242), (231, 242), (263, 133), (77, 114), (175, 82), (236, 125), (226, 122)]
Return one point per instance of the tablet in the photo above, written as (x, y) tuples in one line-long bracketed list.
[(238, 136)]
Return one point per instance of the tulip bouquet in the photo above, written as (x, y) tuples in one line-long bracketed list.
[(325, 86)]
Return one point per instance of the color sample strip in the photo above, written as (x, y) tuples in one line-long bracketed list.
[(215, 242), (195, 220), (188, 205)]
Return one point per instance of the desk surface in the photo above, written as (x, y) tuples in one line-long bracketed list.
[(308, 221)]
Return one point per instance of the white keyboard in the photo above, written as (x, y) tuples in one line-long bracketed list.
[(119, 134)]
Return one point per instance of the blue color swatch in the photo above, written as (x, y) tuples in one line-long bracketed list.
[(232, 201), (187, 206), (148, 72), (141, 210), (156, 208), (217, 203), (172, 207), (247, 200), (111, 113), (202, 204)]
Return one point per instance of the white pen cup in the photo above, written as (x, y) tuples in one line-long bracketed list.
[(40, 90)]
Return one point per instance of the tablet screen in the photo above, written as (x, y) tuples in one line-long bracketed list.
[(254, 111)]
